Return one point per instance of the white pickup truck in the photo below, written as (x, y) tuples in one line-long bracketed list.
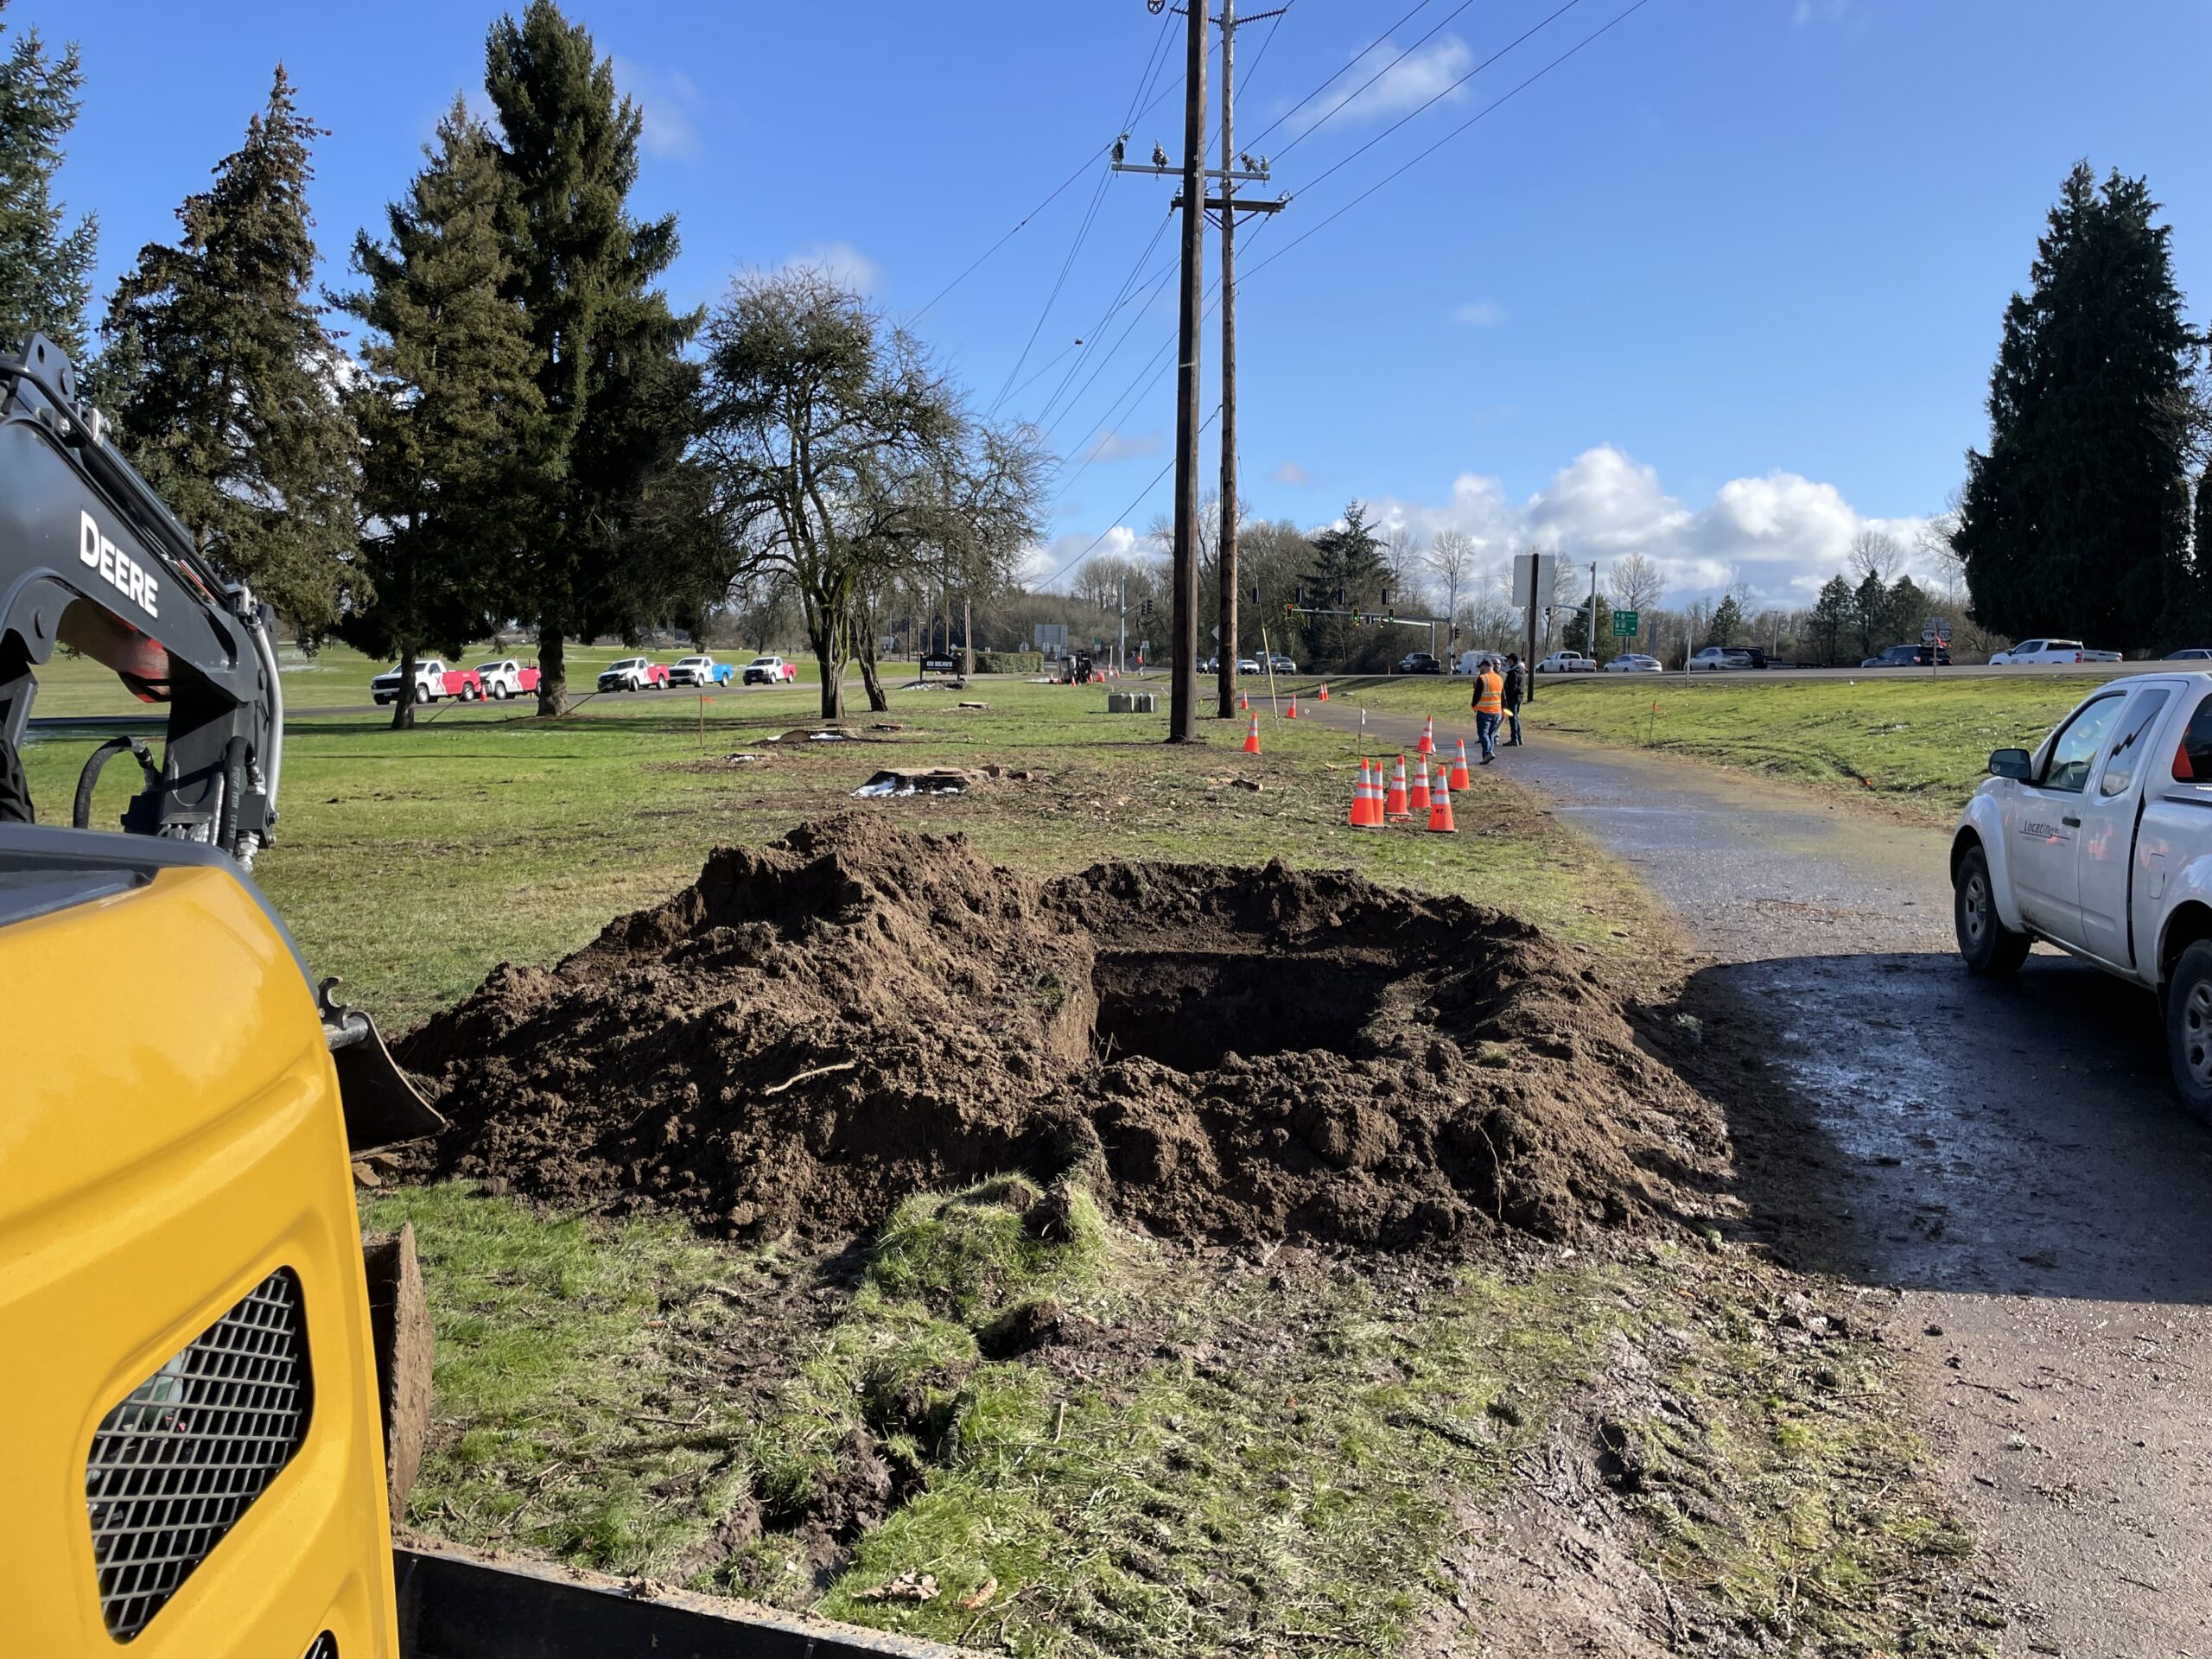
[(2101, 842)]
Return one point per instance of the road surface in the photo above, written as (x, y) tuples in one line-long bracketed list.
[(2006, 1158)]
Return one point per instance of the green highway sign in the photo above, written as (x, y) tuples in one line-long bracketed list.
[(1624, 624)]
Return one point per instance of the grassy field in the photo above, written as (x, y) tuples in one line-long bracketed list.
[(1276, 1453), (1269, 1460), (337, 676), (413, 863), (1915, 743)]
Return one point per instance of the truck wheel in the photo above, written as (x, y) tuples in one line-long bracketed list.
[(1986, 944), (469, 694), (2189, 1027)]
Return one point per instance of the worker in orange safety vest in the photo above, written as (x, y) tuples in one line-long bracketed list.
[(1490, 707)]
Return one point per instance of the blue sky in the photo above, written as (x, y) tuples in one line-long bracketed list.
[(1723, 287)]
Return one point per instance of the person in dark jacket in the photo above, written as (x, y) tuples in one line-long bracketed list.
[(1517, 685)]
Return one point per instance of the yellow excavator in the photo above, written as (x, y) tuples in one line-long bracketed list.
[(206, 1397)]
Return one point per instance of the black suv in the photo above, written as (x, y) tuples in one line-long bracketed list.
[(1910, 657), (1419, 662)]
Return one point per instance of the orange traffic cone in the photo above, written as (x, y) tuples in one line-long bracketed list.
[(1460, 766), (1440, 812), (1394, 805), (1291, 712), (1252, 737), (1322, 696), (1244, 701), (1427, 744), (1419, 799), (1359, 799), (1371, 792)]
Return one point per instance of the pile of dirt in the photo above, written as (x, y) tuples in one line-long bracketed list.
[(816, 1028)]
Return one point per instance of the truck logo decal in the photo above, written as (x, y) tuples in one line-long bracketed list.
[(117, 568)]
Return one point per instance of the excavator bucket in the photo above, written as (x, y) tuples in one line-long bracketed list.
[(382, 1107)]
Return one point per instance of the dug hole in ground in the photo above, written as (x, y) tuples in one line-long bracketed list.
[(1176, 1258)]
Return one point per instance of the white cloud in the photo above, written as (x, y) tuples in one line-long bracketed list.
[(1406, 80), (670, 103), (1126, 446), (840, 260), (1779, 537), (1479, 314), (1043, 562), (1292, 473)]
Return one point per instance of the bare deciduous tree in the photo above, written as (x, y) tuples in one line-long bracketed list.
[(1873, 554), (1451, 560), (842, 459)]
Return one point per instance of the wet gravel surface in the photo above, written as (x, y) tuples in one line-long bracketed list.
[(2008, 1158)]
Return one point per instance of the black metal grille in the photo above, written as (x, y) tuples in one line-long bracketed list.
[(326, 1647), (174, 1466)]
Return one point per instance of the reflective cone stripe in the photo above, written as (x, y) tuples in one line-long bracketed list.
[(1322, 696), (1373, 775), (1440, 812), (1395, 806), (1419, 799), (1460, 766), (1427, 744), (1359, 799), (1252, 737)]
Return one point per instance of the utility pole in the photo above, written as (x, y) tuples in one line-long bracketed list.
[(1195, 203), (1122, 626)]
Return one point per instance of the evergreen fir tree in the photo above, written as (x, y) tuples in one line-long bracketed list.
[(226, 388), (609, 527), (1831, 615), (46, 265), (2069, 521), (1869, 613), (1727, 623), (1349, 561), (447, 410), (1906, 613)]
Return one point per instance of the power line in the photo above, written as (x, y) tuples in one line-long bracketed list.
[(1438, 96), (1058, 190), (1339, 108), (1481, 114), (1326, 82), (1090, 335), (1098, 540)]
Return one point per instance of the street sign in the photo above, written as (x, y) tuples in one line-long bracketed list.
[(1534, 574), (1624, 624)]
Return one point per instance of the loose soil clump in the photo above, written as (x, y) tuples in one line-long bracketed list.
[(817, 1029)]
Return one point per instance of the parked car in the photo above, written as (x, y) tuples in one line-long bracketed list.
[(1633, 662), (1419, 662), (508, 678), (1567, 662), (699, 671), (633, 674), (1719, 656), (2038, 651), (433, 680), (2098, 842), (1910, 657), (770, 670)]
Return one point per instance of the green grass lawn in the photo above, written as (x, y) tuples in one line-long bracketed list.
[(1278, 1458), (1917, 743), (413, 863), (337, 676)]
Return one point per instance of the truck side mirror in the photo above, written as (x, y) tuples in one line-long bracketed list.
[(2016, 764)]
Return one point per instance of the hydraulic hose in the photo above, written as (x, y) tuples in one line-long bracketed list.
[(80, 813)]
